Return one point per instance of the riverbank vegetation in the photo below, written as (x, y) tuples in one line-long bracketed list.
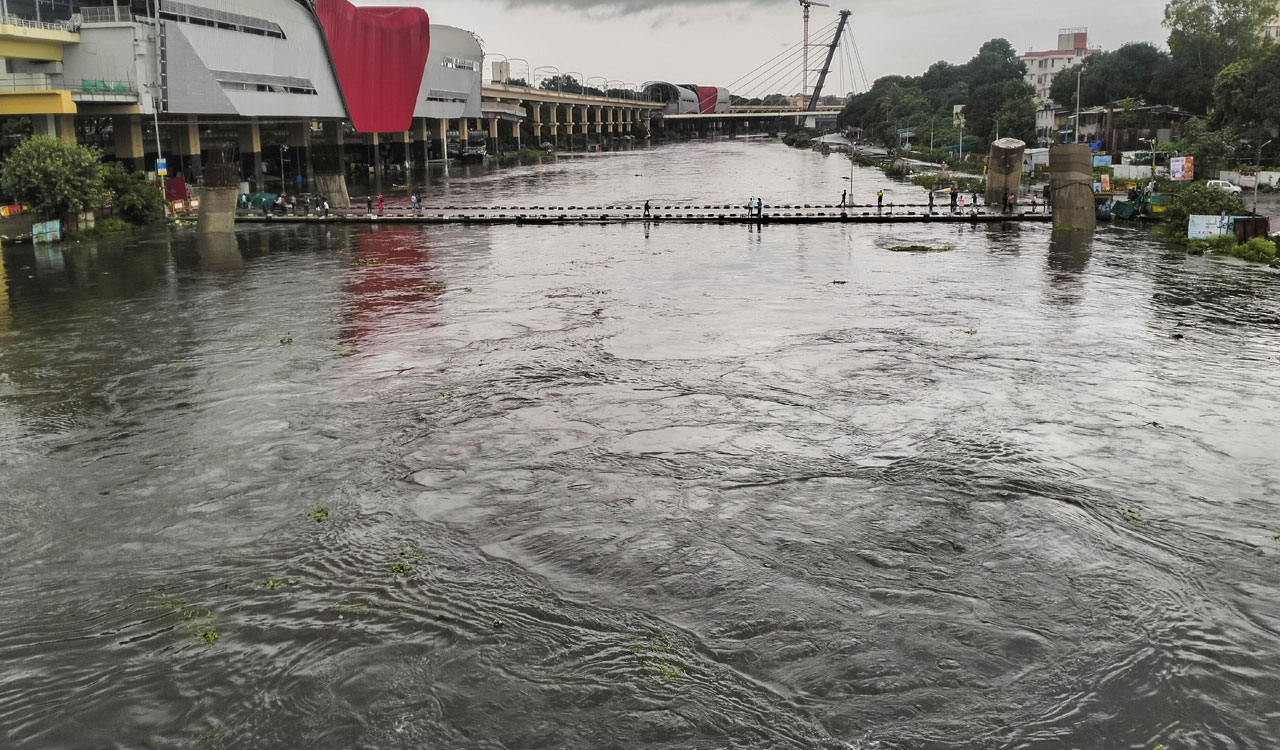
[(56, 179)]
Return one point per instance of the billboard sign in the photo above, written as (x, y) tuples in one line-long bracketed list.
[(162, 167), (1182, 168), (46, 231), (1208, 227)]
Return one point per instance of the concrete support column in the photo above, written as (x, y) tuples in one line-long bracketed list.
[(464, 132), (582, 115), (400, 150), (535, 109), (128, 136), (300, 144), (494, 146), (373, 152), (329, 156), (441, 138), (599, 120), (62, 127), (421, 142), (251, 153), (515, 134), (629, 115), (187, 144)]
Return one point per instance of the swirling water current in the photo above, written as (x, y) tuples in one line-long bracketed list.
[(626, 486)]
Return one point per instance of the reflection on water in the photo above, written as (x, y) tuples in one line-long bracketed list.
[(613, 486), (1069, 254)]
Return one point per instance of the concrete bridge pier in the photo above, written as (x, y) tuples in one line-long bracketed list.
[(250, 138), (129, 146), (1071, 180)]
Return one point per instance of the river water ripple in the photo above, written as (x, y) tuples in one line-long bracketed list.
[(598, 487)]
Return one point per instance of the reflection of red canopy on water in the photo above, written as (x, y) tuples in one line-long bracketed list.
[(391, 284)]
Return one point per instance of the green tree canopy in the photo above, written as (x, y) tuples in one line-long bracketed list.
[(1206, 36), (1137, 70), (990, 86), (53, 176), (1246, 94), (136, 199)]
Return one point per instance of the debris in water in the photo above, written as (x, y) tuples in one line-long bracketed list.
[(319, 515), (839, 283), (918, 249)]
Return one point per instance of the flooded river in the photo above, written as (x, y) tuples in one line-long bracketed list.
[(609, 487)]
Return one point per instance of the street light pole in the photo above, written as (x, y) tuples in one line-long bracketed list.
[(1257, 177), (1079, 78)]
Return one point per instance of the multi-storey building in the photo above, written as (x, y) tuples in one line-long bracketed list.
[(1042, 67), (1272, 29)]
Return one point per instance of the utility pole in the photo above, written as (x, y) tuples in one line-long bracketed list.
[(1079, 74), (1257, 177)]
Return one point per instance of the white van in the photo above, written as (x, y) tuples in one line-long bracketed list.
[(1225, 185)]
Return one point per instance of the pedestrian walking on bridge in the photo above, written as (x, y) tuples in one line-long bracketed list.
[(930, 202), (646, 209), (879, 200), (955, 200)]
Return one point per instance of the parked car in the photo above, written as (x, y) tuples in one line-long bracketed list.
[(1227, 186)]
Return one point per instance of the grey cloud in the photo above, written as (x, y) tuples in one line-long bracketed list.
[(630, 7)]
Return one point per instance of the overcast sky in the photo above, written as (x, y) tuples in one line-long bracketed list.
[(716, 42)]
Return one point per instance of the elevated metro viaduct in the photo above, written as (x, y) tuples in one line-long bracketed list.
[(311, 84)]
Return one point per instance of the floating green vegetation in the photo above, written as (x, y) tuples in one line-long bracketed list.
[(1156, 425), (319, 515), (199, 622), (665, 670), (1132, 517), (365, 262), (347, 351), (407, 553), (286, 340), (280, 583), (598, 313), (467, 289), (1276, 538), (971, 331), (446, 395), (652, 655), (839, 283), (497, 623), (918, 249)]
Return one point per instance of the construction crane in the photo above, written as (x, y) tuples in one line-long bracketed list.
[(807, 4)]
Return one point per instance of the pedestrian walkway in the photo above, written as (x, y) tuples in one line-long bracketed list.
[(634, 213)]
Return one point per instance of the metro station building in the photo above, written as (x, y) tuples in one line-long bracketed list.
[(380, 87)]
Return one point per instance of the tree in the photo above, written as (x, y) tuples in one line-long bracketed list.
[(1246, 94), (137, 200), (1137, 70), (1213, 150), (1206, 36), (564, 82), (53, 176), (1198, 199)]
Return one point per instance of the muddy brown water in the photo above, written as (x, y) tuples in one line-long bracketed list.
[(603, 487)]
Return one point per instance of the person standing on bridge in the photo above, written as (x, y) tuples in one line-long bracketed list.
[(879, 200), (931, 203), (368, 203), (844, 199), (955, 199), (380, 208), (325, 207), (646, 209)]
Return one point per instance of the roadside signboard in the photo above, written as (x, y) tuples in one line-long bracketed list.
[(46, 231), (162, 167), (1182, 168)]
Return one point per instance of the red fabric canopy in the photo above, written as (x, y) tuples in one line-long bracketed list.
[(380, 55), (708, 99)]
